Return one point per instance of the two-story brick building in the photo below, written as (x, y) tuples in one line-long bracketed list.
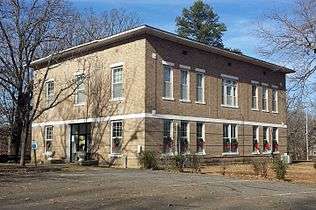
[(165, 93)]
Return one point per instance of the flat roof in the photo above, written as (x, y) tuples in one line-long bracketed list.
[(145, 29)]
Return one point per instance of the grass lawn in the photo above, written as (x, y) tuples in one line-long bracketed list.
[(299, 172)]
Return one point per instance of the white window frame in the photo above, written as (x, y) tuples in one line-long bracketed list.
[(266, 98), (267, 134), (187, 137), (254, 85), (187, 85), (230, 138), (113, 68), (48, 139), (49, 96), (122, 137), (79, 89), (203, 137), (202, 88), (275, 98), (276, 138), (256, 137), (225, 84), (171, 135), (165, 65)]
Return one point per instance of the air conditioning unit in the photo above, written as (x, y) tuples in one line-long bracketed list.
[(286, 158)]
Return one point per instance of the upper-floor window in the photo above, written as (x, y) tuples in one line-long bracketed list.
[(265, 98), (254, 99), (167, 136), (230, 142), (49, 91), (274, 100), (229, 92), (167, 82), (117, 82), (49, 130), (184, 85), (80, 96), (200, 87)]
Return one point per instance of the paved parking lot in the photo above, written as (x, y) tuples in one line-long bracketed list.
[(100, 188)]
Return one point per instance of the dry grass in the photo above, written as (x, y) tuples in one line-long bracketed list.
[(300, 172)]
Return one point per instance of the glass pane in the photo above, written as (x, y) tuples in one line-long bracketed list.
[(167, 73), (117, 90), (167, 90)]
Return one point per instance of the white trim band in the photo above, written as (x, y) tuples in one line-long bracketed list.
[(200, 70), (159, 116), (167, 63), (254, 82)]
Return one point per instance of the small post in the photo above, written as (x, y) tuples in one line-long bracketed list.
[(34, 148), (35, 160)]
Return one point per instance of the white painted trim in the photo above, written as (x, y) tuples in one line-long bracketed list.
[(229, 77), (184, 67), (254, 82), (117, 64), (167, 63), (264, 84), (200, 70), (159, 116)]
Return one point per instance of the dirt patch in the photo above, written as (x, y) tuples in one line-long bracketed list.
[(7, 169), (299, 173)]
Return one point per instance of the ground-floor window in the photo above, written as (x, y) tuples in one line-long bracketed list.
[(117, 137), (255, 139), (275, 141), (167, 137), (184, 141), (266, 144), (49, 130), (200, 139), (230, 142)]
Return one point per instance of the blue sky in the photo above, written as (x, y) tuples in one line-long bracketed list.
[(240, 16)]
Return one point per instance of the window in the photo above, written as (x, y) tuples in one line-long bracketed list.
[(274, 100), (167, 137), (200, 138), (275, 141), (80, 96), (200, 87), (184, 141), (254, 99), (49, 131), (229, 93), (117, 82), (264, 98), (49, 93), (168, 82), (266, 144), (117, 137), (230, 142), (255, 140), (184, 86)]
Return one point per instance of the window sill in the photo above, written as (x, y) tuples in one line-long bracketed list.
[(115, 155), (230, 153), (167, 154), (256, 153), (266, 111), (200, 153), (200, 102), (167, 99), (275, 112), (117, 99), (229, 106), (185, 101), (276, 152), (254, 109), (81, 104), (267, 153)]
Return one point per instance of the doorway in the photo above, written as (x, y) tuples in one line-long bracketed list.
[(80, 140)]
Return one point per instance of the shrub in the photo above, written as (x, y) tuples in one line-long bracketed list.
[(261, 166), (179, 161), (195, 163), (280, 168), (148, 160)]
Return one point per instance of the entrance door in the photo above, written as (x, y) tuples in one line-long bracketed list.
[(80, 141)]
